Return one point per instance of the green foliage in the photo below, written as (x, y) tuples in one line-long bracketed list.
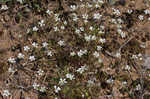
[(3, 1), (147, 97)]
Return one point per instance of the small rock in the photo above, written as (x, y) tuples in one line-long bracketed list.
[(147, 62)]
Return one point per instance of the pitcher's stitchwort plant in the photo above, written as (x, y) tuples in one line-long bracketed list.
[(76, 49)]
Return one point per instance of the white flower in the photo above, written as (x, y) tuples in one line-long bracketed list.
[(141, 17), (85, 21), (83, 95), (102, 40), (127, 67), (4, 7), (49, 53), (87, 37), (134, 57), (77, 31), (26, 48), (84, 51), (143, 45), (139, 55), (90, 82), (56, 17), (116, 11), (57, 89), (140, 58), (11, 70), (35, 44), (124, 82), (32, 58), (62, 81), (81, 52), (85, 16), (82, 69), (118, 54), (94, 1), (89, 5), (101, 32), (35, 28), (20, 56), (82, 29), (72, 54), (44, 44), (120, 20), (6, 93), (119, 31), (147, 11), (27, 98), (28, 30), (97, 16), (91, 28), (138, 87), (49, 12), (90, 37), (56, 28), (130, 11), (99, 48), (97, 5), (65, 22), (36, 86), (148, 75), (73, 7), (102, 27), (43, 89), (114, 21), (62, 27), (12, 60), (100, 60), (61, 43), (41, 23), (82, 5), (110, 80), (123, 34), (19, 36), (93, 37), (119, 27), (101, 1), (75, 18), (96, 54), (70, 76), (149, 19), (40, 72)]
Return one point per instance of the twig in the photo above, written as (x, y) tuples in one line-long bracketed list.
[(110, 54), (45, 76), (125, 44), (141, 73), (113, 54)]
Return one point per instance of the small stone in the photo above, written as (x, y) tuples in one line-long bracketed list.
[(147, 62)]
